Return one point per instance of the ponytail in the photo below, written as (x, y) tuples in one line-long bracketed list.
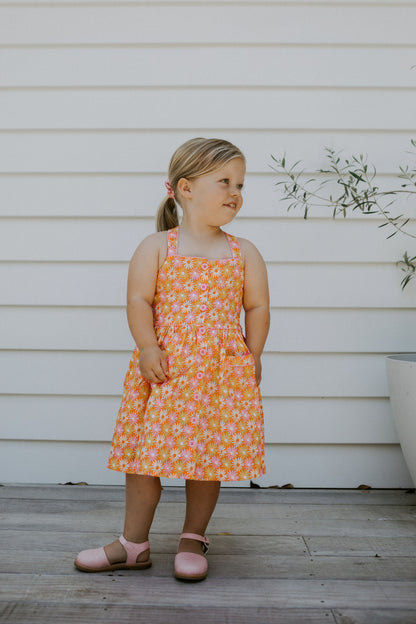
[(167, 215)]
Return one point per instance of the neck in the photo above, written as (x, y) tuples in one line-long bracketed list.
[(197, 230), (205, 242)]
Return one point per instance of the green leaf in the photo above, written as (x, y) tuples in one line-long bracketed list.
[(357, 177)]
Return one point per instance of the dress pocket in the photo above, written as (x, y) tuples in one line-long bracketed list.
[(239, 373), (240, 360)]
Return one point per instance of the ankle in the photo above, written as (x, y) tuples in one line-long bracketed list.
[(190, 545), (193, 542), (135, 538)]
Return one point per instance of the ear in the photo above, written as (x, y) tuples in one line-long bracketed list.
[(184, 187)]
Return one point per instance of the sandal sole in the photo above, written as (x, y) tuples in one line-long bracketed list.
[(117, 566), (197, 577)]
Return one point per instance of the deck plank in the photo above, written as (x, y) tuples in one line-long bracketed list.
[(370, 545), (41, 613), (33, 541), (374, 616), (227, 495), (282, 556), (161, 591), (230, 566), (249, 511), (299, 524)]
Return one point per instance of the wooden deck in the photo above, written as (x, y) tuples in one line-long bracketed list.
[(277, 556)]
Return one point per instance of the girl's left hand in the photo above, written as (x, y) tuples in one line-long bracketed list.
[(257, 368)]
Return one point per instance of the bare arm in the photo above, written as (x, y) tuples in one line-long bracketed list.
[(255, 302), (141, 286)]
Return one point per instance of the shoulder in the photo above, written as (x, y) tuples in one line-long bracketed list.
[(155, 240), (248, 250), (151, 251), (154, 243)]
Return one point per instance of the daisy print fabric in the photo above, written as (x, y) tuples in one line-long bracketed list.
[(206, 421)]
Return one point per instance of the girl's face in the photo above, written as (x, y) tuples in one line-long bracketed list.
[(216, 197)]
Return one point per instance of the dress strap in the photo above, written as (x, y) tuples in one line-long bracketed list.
[(173, 242), (234, 245)]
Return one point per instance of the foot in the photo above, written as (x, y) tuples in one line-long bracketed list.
[(191, 546), (116, 553), (190, 562), (125, 555)]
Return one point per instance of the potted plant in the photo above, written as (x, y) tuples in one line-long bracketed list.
[(401, 376), (356, 190)]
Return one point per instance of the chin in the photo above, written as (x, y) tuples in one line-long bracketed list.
[(229, 219)]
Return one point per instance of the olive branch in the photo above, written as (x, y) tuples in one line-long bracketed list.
[(356, 190)]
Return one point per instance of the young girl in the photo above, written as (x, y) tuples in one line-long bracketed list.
[(191, 407)]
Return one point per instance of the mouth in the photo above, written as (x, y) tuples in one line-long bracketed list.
[(232, 205)]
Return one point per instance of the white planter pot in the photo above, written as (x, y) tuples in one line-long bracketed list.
[(401, 376)]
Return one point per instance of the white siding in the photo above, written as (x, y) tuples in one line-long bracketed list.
[(94, 98)]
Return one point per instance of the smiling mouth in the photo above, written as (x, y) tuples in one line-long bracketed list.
[(232, 206)]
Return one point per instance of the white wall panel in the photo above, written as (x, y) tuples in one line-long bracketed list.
[(340, 285), (287, 420), (59, 284), (336, 466), (292, 285), (152, 23), (75, 418), (298, 240), (132, 150), (292, 330), (263, 109), (379, 466), (324, 375), (345, 331), (276, 65), (138, 195), (352, 3), (284, 375), (64, 328), (318, 420), (94, 98)]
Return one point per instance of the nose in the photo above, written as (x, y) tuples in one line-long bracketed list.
[(236, 191)]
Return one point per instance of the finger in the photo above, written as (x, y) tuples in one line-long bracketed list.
[(148, 374), (159, 374), (151, 377), (164, 364)]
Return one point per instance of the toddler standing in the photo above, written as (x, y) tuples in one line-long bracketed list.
[(191, 407)]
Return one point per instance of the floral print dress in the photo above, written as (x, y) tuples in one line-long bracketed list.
[(206, 421)]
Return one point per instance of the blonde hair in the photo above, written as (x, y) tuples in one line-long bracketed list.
[(193, 159)]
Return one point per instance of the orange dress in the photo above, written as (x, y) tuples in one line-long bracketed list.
[(206, 421)]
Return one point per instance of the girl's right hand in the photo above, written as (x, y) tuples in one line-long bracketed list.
[(153, 364)]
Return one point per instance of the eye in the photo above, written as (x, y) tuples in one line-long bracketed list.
[(226, 180), (240, 186)]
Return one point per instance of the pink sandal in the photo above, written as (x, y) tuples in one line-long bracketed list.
[(190, 566), (96, 560)]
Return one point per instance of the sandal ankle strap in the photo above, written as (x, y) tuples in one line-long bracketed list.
[(132, 549), (200, 538)]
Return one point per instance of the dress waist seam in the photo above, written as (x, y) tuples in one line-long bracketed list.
[(205, 325)]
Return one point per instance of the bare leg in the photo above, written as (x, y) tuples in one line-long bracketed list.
[(142, 497), (201, 498)]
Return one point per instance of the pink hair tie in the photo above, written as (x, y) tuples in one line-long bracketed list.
[(171, 192)]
